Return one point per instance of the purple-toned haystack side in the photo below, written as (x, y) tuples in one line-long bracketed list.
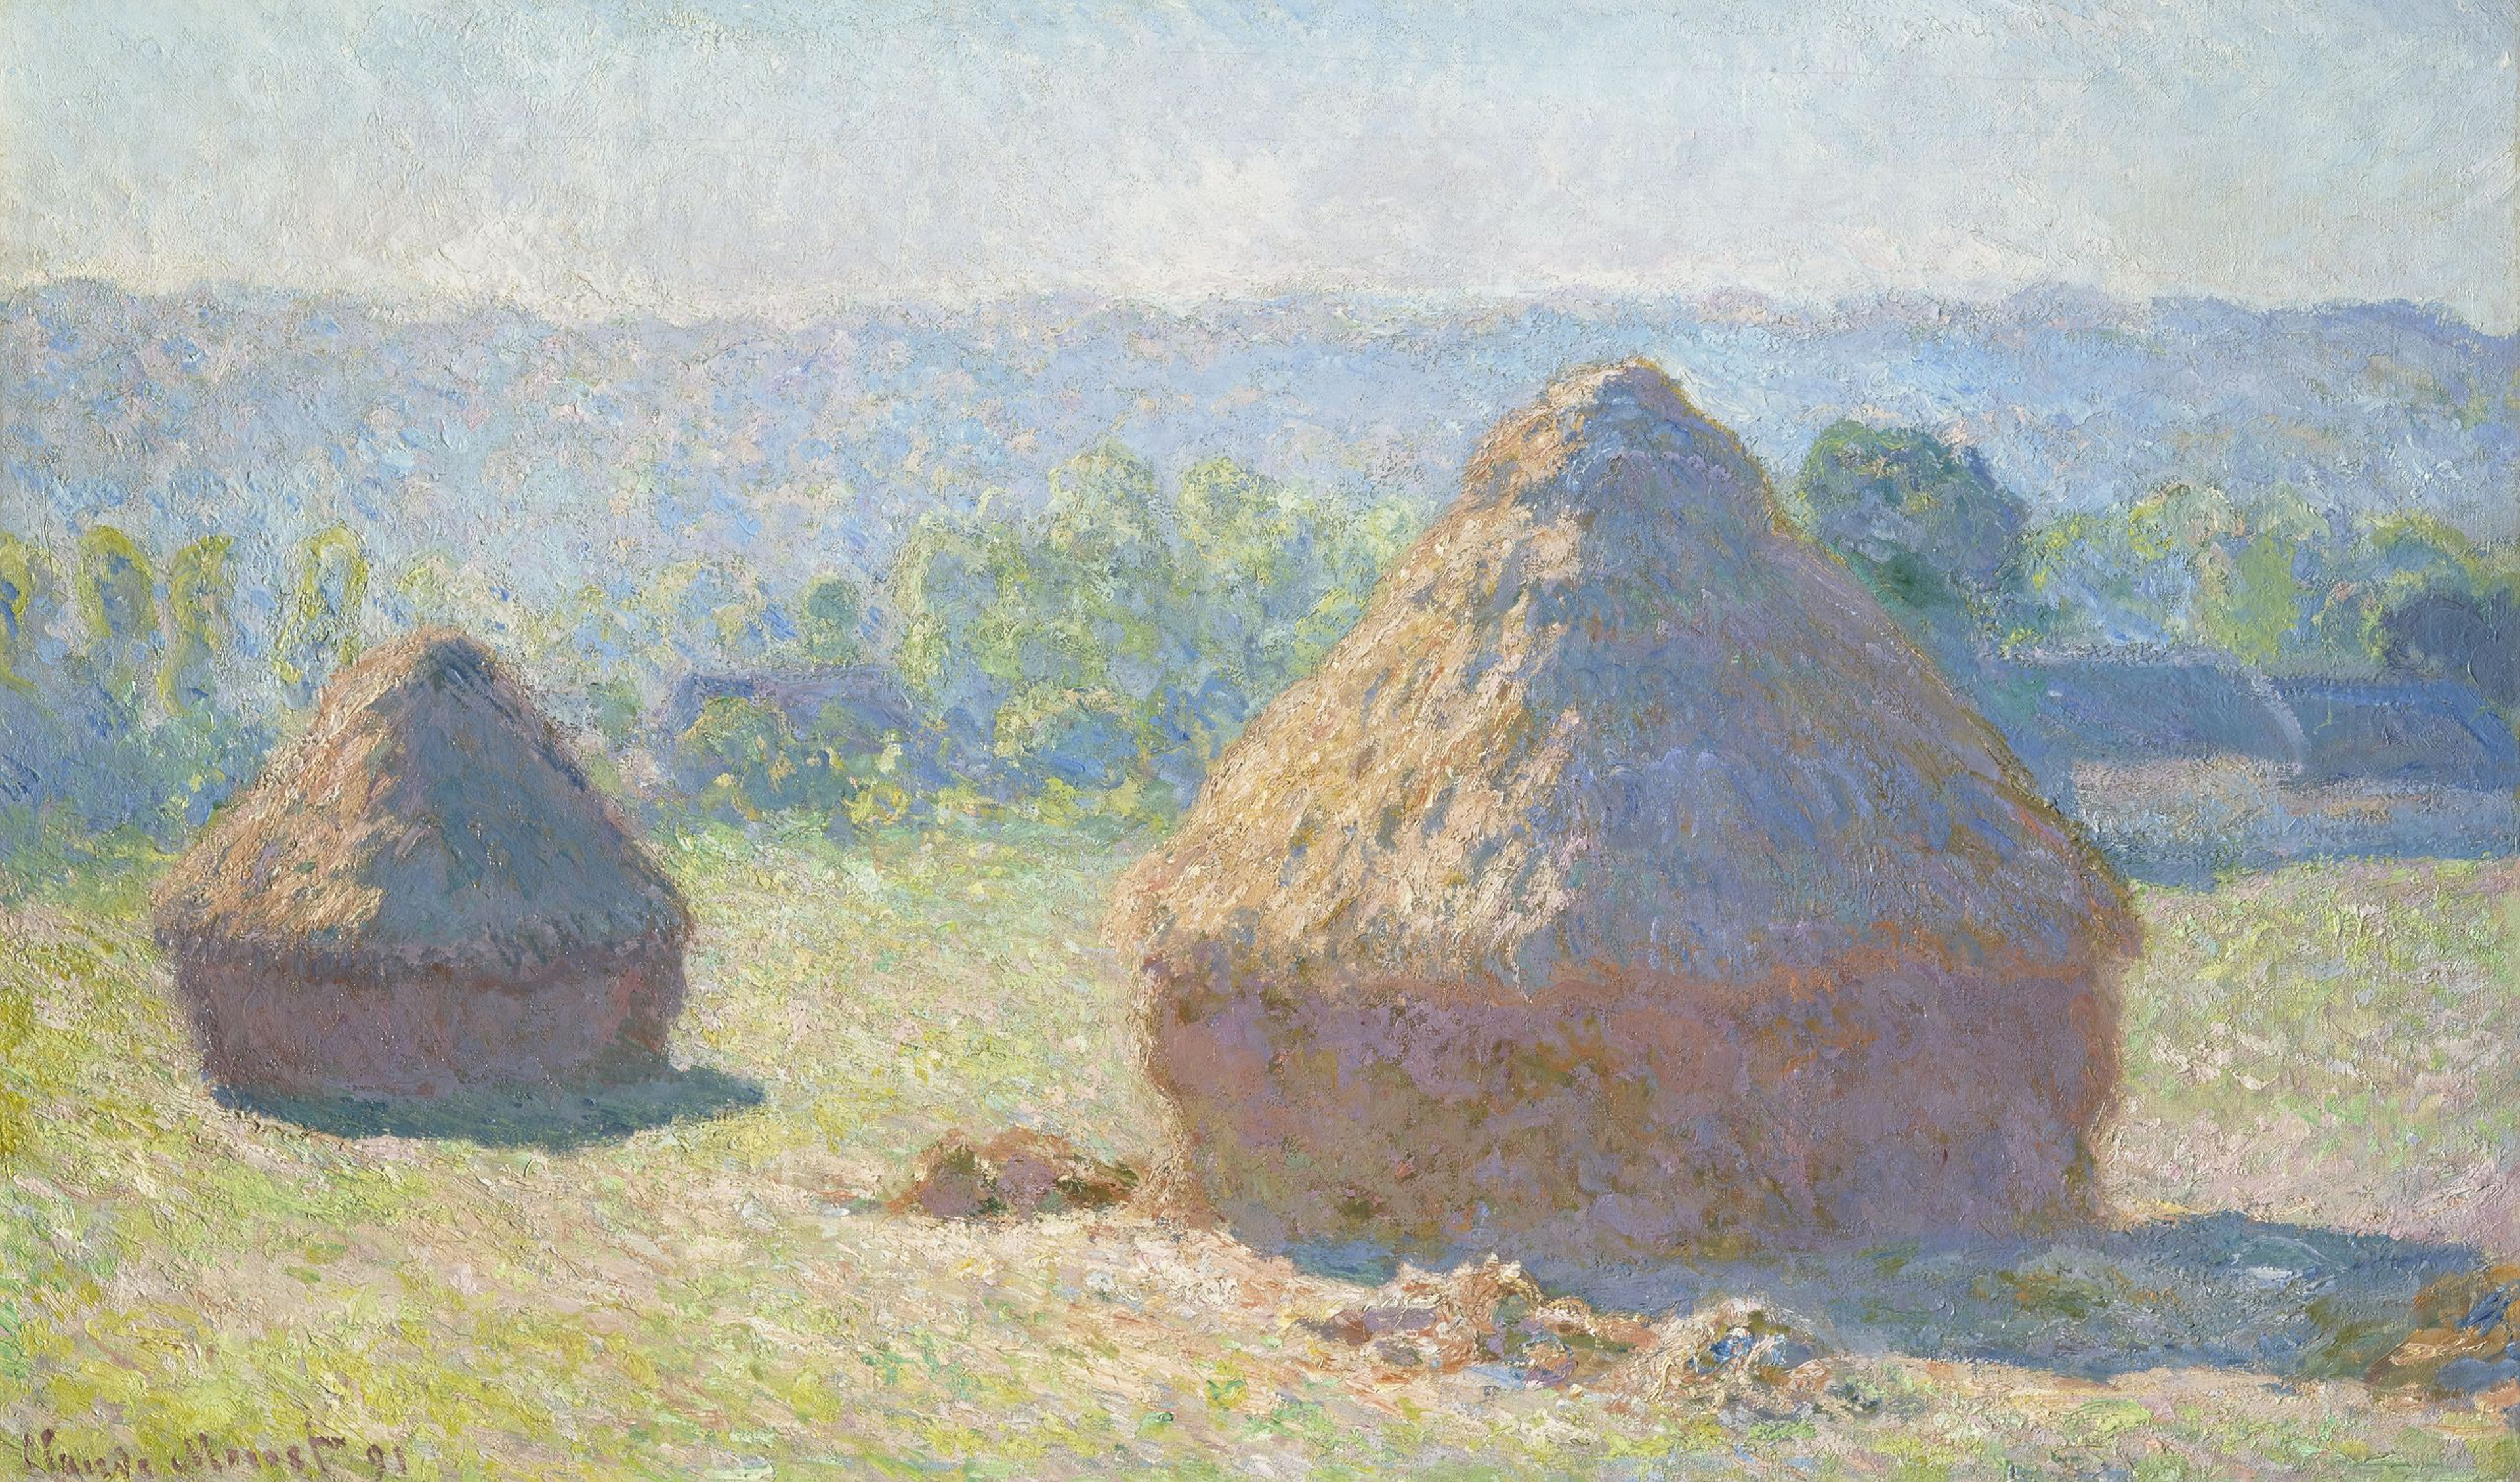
[(424, 893), (1625, 882)]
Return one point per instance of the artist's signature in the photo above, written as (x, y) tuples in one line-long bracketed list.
[(47, 1453)]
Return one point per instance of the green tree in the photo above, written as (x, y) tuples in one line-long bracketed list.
[(327, 604), (1118, 639), (741, 758), (2251, 603), (2403, 558), (1923, 523), (117, 597), (617, 706), (2227, 572), (2131, 570), (1105, 510), (2434, 601), (828, 624), (944, 587), (2172, 522), (1081, 623), (27, 598), (1278, 574), (705, 612), (199, 592)]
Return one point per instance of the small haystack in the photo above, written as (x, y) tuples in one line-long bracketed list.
[(1624, 882), (424, 893)]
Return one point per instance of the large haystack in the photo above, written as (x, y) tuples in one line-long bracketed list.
[(1624, 882), (422, 893)]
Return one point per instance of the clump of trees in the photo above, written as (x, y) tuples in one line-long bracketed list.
[(2443, 605), (747, 760), (2267, 578), (1113, 642), (126, 705), (1089, 655), (321, 632), (1924, 524)]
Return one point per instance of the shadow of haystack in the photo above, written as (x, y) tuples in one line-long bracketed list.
[(553, 1121), (2220, 1290)]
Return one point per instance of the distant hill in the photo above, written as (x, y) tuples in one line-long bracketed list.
[(564, 452)]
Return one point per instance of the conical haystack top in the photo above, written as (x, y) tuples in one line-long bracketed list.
[(429, 818), (1609, 714)]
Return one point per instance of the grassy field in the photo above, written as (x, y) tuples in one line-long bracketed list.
[(696, 1280)]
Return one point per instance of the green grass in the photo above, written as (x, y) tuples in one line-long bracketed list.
[(2332, 1045), (712, 1295)]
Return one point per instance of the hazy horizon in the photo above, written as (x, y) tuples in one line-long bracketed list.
[(712, 159), (1715, 303)]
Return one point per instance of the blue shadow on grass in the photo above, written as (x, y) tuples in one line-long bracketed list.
[(2293, 1302), (2214, 1290), (551, 1119)]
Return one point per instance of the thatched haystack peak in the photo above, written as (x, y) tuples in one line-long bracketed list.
[(1610, 710), (1590, 445), (428, 819)]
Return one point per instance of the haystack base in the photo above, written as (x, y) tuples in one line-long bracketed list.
[(428, 1033), (1634, 1116)]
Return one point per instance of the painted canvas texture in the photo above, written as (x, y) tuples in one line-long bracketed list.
[(773, 740)]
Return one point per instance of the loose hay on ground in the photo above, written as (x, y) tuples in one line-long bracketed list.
[(1016, 1173)]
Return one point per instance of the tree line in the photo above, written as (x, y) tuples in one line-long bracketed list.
[(121, 708), (1091, 654), (1096, 652), (2268, 579)]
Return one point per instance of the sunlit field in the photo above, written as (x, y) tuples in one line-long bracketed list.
[(699, 1279)]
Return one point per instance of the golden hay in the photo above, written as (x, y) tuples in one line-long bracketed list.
[(423, 892), (1624, 879)]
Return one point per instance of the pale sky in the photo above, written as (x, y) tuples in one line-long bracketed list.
[(703, 156)]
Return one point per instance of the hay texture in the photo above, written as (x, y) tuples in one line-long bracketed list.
[(424, 893), (1624, 882)]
